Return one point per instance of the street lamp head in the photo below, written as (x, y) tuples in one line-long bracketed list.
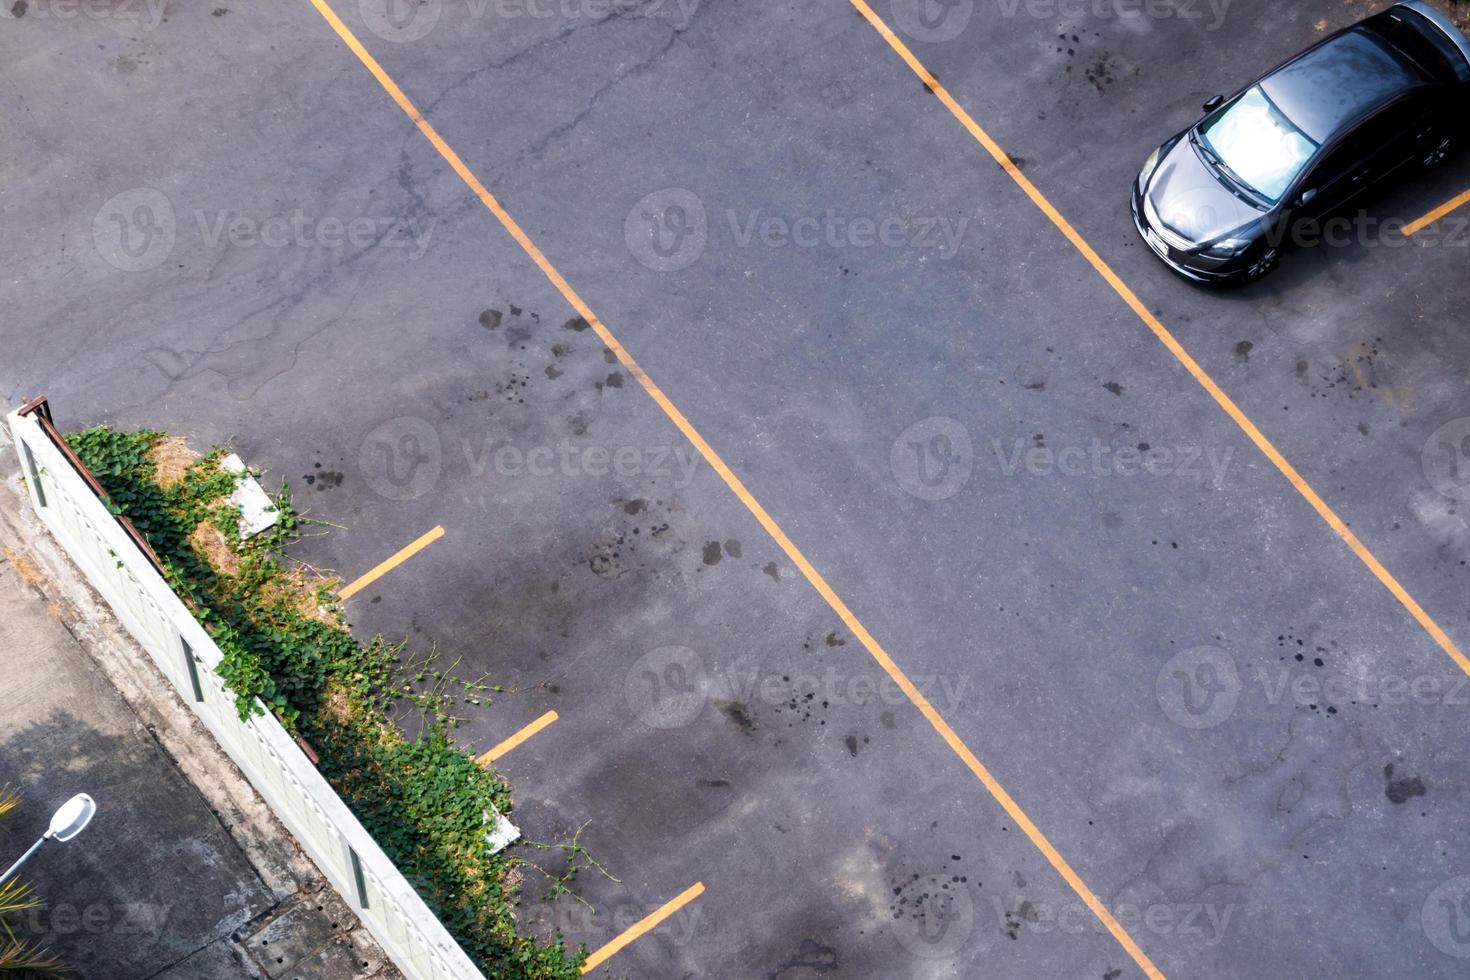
[(72, 817)]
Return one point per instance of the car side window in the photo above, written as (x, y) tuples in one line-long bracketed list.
[(1383, 132), (1337, 163)]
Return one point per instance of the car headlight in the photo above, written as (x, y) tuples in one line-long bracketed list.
[(1228, 248), (1148, 167)]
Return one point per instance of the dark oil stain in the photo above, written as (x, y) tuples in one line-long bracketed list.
[(813, 958), (1113, 973), (738, 715), (490, 319), (833, 640), (1114, 387), (608, 356), (1301, 369), (1363, 428), (553, 372), (559, 350), (615, 380), (1403, 789), (714, 783), (732, 548), (853, 744), (1035, 386), (712, 553), (517, 335), (20, 8), (635, 506), (325, 480), (1020, 162), (772, 570), (1243, 350), (219, 11), (576, 323)]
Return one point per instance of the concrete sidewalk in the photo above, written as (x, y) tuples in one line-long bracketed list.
[(184, 873)]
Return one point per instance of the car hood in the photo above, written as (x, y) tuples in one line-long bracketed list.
[(1185, 199)]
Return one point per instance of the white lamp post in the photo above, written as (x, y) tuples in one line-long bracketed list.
[(70, 819)]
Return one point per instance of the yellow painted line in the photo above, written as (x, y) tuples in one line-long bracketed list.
[(1421, 223), (398, 559), (1167, 339), (642, 925), (517, 738), (1007, 803)]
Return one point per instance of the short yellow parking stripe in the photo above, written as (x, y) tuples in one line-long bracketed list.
[(398, 559), (1452, 204), (644, 925), (517, 738)]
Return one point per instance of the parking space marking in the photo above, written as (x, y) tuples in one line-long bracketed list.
[(794, 554), (383, 568), (1419, 224), (1199, 374), (517, 738), (644, 924)]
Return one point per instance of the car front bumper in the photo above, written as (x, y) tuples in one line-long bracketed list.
[(1187, 264)]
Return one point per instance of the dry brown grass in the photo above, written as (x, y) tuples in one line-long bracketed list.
[(209, 543), (298, 587), (171, 456)]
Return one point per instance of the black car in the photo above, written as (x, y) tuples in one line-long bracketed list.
[(1218, 202)]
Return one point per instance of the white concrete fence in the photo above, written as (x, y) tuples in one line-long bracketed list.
[(119, 569)]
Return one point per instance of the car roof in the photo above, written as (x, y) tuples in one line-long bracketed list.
[(1332, 84)]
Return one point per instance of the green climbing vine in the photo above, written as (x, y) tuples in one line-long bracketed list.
[(286, 644)]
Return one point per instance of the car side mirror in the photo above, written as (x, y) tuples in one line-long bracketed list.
[(1306, 196), (1214, 102)]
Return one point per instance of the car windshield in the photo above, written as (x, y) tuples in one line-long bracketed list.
[(1258, 146)]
